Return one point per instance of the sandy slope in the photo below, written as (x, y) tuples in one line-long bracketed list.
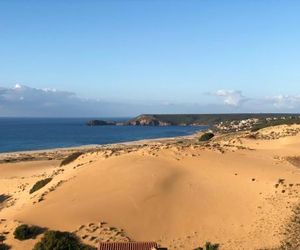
[(179, 196)]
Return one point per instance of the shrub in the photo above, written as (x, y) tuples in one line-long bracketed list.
[(206, 137), (71, 158), (25, 232), (4, 246), (208, 246), (4, 197), (39, 184), (2, 238), (56, 240)]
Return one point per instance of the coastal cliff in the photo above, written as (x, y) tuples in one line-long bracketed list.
[(223, 122), (147, 120), (141, 120)]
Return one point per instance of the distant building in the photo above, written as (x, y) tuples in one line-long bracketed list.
[(129, 246)]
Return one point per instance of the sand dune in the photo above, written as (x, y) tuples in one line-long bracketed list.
[(236, 191)]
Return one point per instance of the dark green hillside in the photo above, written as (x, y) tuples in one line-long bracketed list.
[(209, 119), (228, 120)]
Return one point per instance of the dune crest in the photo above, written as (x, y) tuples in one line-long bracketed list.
[(236, 190)]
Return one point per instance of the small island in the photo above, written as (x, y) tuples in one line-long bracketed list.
[(99, 123)]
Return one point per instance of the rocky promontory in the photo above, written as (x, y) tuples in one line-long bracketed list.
[(146, 120), (230, 122), (142, 120)]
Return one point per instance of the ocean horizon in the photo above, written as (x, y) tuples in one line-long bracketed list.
[(27, 134)]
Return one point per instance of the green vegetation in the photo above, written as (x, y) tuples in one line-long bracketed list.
[(4, 246), (287, 121), (209, 246), (294, 160), (4, 197), (2, 238), (25, 232), (71, 158), (39, 184), (56, 240), (206, 137), (210, 119)]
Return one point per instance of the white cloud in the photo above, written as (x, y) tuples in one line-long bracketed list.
[(231, 97), (278, 103), (49, 90), (34, 95), (22, 100), (17, 86), (285, 101)]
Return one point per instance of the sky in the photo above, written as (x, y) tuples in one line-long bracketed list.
[(123, 58)]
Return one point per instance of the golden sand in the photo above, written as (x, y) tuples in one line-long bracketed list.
[(234, 190)]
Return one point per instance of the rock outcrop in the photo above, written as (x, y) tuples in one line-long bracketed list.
[(99, 123), (146, 120)]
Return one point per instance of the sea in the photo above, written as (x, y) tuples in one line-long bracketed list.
[(25, 134)]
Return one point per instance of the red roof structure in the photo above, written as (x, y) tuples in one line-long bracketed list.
[(128, 246)]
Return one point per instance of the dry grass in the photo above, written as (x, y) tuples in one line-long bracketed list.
[(294, 160), (71, 158), (38, 185)]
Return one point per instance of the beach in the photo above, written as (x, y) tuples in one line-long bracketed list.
[(240, 190)]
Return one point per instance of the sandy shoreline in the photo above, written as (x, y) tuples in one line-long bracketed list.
[(60, 152), (92, 146), (240, 190)]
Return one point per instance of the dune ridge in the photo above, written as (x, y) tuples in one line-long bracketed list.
[(240, 190)]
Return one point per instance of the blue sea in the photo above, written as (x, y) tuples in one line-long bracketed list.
[(23, 134)]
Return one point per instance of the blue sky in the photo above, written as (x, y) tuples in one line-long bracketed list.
[(194, 56)]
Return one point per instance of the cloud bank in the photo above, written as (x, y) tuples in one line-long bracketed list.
[(231, 97), (279, 103), (24, 101), (287, 102)]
